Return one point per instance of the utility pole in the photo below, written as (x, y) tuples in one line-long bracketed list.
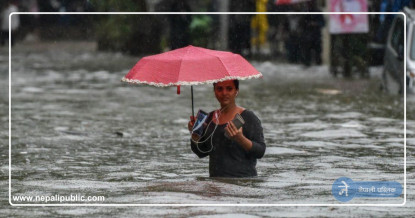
[(224, 25)]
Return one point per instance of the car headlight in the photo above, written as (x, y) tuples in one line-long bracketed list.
[(410, 76)]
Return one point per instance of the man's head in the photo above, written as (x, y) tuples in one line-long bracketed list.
[(226, 91), (235, 81)]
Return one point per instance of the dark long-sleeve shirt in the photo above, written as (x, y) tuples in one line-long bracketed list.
[(228, 158)]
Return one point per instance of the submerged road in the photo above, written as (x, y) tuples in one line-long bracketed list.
[(76, 129)]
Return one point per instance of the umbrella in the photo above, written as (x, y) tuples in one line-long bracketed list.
[(190, 66)]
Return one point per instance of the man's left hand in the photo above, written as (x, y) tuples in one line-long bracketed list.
[(234, 133)]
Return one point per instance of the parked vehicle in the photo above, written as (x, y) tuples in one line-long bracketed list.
[(394, 73)]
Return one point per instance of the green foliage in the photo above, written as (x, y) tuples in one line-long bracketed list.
[(200, 29), (133, 34)]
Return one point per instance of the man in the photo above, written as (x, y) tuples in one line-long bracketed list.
[(4, 34), (311, 25)]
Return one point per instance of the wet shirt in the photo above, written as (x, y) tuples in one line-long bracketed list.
[(228, 158)]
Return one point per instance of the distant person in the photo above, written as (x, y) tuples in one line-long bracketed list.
[(277, 32), (311, 43), (292, 37), (236, 154), (179, 24), (15, 22), (239, 38), (385, 20)]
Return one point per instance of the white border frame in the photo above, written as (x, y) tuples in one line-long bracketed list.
[(210, 205)]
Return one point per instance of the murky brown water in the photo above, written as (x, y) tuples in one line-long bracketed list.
[(69, 110)]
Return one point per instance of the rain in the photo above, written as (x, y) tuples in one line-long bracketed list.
[(77, 129)]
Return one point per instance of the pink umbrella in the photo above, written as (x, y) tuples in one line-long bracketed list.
[(190, 66)]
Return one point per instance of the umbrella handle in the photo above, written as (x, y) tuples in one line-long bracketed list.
[(193, 110)]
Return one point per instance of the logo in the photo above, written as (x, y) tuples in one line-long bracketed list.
[(345, 189)]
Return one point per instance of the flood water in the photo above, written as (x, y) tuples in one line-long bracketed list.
[(76, 129)]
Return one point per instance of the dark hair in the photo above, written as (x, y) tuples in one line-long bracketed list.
[(235, 81)]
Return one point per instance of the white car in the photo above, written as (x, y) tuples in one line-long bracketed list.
[(393, 73)]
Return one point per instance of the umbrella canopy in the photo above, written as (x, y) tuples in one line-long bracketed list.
[(190, 66)]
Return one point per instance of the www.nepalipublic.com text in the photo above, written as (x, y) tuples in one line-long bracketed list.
[(58, 198)]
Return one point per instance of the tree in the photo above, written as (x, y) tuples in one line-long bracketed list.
[(132, 34)]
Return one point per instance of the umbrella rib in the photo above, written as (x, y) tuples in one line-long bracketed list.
[(226, 69), (180, 68)]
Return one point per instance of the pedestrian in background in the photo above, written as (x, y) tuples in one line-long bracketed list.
[(311, 43), (180, 24), (292, 37), (15, 22), (240, 27)]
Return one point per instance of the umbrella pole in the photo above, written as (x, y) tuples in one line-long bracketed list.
[(193, 110)]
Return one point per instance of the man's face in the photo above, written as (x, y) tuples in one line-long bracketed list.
[(225, 92)]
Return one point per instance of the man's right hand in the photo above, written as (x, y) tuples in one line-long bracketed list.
[(191, 123)]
